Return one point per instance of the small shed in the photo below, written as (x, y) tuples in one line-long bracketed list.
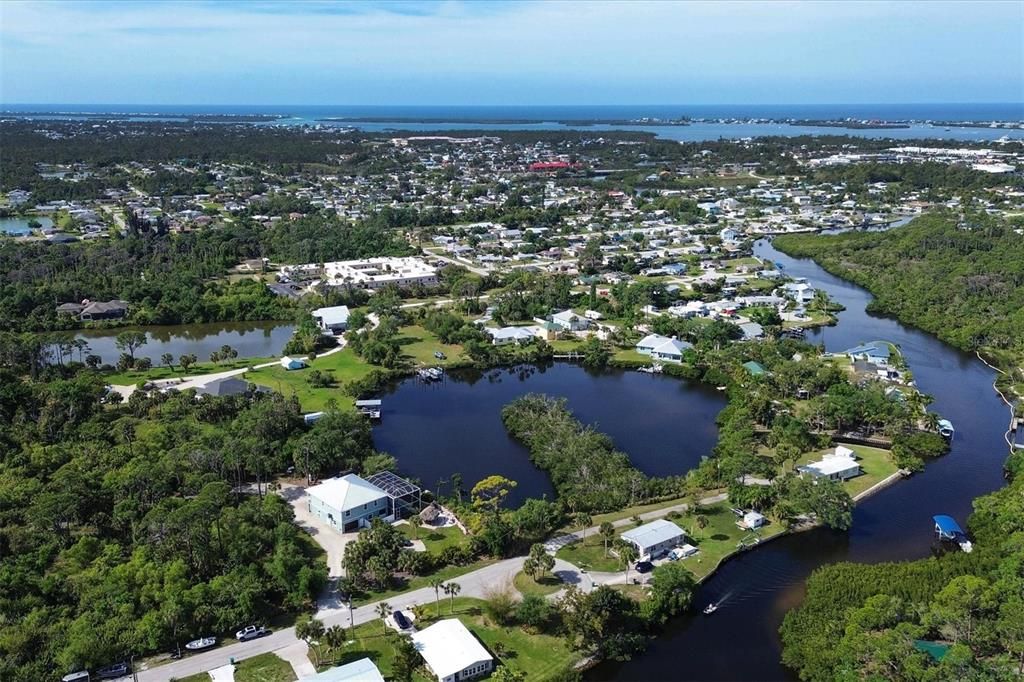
[(292, 363), (752, 520)]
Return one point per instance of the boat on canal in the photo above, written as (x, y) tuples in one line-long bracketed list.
[(948, 530), (710, 608), (946, 429)]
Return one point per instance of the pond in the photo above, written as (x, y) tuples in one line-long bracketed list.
[(250, 339), (20, 226), (665, 425)]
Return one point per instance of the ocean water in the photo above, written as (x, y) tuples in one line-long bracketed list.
[(547, 117)]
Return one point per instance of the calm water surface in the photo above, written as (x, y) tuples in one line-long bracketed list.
[(740, 642), (665, 425), (250, 339), (19, 226)]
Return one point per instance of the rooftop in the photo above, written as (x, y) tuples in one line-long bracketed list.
[(347, 492), (449, 647), (653, 533)]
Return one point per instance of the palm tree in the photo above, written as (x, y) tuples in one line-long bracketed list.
[(437, 584), (607, 531), (335, 638), (582, 519), (311, 630), (701, 521), (452, 589), (628, 554), (383, 610)]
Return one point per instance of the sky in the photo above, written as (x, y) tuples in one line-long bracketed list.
[(500, 53)]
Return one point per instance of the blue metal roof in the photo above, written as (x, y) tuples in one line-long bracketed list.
[(946, 524)]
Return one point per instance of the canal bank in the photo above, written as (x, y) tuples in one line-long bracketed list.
[(758, 588)]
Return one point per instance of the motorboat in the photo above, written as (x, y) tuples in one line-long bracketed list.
[(710, 608), (946, 528), (946, 429), (201, 643)]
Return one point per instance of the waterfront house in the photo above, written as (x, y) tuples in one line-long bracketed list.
[(333, 320), (654, 539), (752, 520), (361, 670), (452, 652), (877, 352), (838, 465), (103, 310), (751, 331), (663, 347), (568, 321), (507, 335), (348, 503)]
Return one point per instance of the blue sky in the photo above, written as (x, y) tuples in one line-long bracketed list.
[(476, 52)]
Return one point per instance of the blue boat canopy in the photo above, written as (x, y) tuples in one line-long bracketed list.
[(947, 525)]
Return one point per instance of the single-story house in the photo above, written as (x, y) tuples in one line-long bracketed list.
[(73, 309), (228, 386), (663, 347), (333, 319), (568, 321), (751, 331), (452, 652), (507, 335), (362, 670), (877, 352), (292, 363), (348, 503), (655, 538), (839, 465), (104, 310), (751, 520)]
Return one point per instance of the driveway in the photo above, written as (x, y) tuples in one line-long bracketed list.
[(332, 542)]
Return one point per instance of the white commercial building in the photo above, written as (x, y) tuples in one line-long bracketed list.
[(348, 503), (655, 538), (333, 319), (452, 652), (375, 273)]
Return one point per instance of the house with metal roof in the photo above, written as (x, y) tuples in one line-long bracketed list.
[(333, 319), (507, 335), (452, 652), (655, 538), (663, 347), (877, 352), (839, 465), (362, 670), (348, 503)]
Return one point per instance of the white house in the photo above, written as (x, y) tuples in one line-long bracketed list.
[(451, 651), (348, 503), (362, 670), (655, 538), (333, 319), (835, 466), (800, 291), (568, 321), (507, 335), (663, 347), (751, 520)]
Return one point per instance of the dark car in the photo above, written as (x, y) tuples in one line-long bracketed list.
[(644, 567), (401, 621), (113, 671)]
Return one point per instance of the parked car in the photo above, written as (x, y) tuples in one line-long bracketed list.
[(113, 671), (251, 632), (439, 355), (644, 567), (401, 621)]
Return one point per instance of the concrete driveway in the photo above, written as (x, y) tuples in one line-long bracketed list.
[(331, 540)]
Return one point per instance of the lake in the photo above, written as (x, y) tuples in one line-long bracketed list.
[(19, 226), (250, 339), (757, 588), (665, 425)]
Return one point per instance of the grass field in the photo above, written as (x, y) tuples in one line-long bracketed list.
[(719, 538), (446, 573), (264, 668), (418, 346), (435, 539), (590, 554), (132, 377), (539, 657), (526, 585)]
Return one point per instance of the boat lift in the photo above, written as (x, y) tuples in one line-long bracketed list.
[(946, 528), (371, 408)]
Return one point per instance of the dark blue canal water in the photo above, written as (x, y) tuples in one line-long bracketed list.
[(665, 425), (740, 642)]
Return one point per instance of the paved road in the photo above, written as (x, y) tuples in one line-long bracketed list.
[(474, 584)]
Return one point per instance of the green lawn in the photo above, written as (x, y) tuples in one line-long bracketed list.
[(630, 355), (526, 585), (447, 573), (876, 463), (418, 346), (634, 592), (590, 554), (264, 668), (132, 377), (435, 539), (719, 538), (629, 512)]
